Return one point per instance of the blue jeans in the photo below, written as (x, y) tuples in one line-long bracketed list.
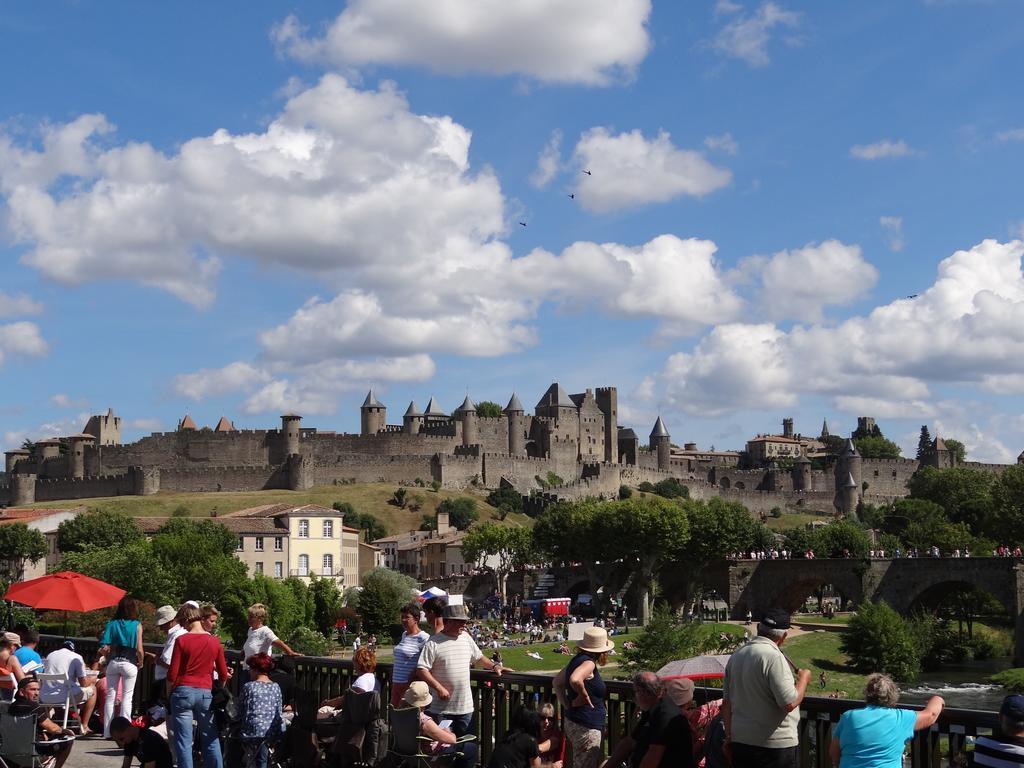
[(461, 724), (188, 704), (259, 751)]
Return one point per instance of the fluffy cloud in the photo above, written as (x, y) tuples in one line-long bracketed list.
[(892, 226), (800, 283), (62, 400), (20, 305), (548, 161), (881, 149), (968, 327), (628, 170), (210, 382), (746, 36), (21, 339), (594, 42)]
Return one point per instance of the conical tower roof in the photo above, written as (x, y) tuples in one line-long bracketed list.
[(223, 425), (850, 482), (557, 396), (824, 428), (851, 449), (466, 407), (371, 401), (659, 429), (514, 406), (433, 409), (413, 409), (803, 460), (940, 444), (186, 423)]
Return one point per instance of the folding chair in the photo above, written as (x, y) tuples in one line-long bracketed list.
[(407, 745), (18, 741), (55, 691)]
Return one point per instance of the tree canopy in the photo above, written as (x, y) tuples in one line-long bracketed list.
[(876, 447), (97, 529), (924, 442), (383, 594), (878, 640), (512, 547), (488, 409), (461, 511), (20, 544)]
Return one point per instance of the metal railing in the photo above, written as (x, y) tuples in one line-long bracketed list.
[(495, 699)]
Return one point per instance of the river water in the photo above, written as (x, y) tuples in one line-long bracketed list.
[(963, 686)]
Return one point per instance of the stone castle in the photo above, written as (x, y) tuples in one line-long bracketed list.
[(571, 447)]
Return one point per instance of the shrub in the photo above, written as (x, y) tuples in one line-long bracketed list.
[(1011, 679), (435, 485), (625, 491), (879, 640), (506, 499), (399, 498), (776, 512), (309, 642), (671, 488), (554, 480), (461, 511), (646, 487), (666, 638)]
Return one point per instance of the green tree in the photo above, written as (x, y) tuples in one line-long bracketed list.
[(512, 547), (834, 444), (132, 567), (398, 497), (383, 594), (924, 442), (506, 499), (1008, 506), (461, 511), (285, 613), (625, 491), (200, 556), (957, 450), (873, 431), (19, 545), (920, 523), (664, 639), (671, 488), (876, 447), (879, 640), (97, 528), (326, 603), (488, 409), (964, 494), (428, 523), (839, 537), (568, 532)]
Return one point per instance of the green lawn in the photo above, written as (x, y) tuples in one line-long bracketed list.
[(793, 520), (365, 497), (819, 651)]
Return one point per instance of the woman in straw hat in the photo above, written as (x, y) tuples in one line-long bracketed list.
[(582, 694), (442, 740)]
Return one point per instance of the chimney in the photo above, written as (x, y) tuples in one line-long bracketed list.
[(442, 523)]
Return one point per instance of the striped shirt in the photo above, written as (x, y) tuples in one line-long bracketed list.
[(990, 751), (449, 659), (407, 653)]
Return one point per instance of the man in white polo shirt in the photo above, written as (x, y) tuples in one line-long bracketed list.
[(65, 661), (444, 665)]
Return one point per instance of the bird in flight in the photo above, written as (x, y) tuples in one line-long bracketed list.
[(587, 172), (572, 197), (912, 296), (522, 223)]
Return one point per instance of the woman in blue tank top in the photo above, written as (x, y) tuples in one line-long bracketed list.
[(122, 645), (582, 693)]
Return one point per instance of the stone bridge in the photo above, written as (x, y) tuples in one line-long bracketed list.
[(905, 584)]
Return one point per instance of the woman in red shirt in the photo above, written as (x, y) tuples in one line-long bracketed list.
[(190, 677)]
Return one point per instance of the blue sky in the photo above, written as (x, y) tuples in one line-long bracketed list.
[(248, 208)]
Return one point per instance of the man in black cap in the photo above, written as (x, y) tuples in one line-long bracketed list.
[(444, 665), (761, 704), (1008, 747)]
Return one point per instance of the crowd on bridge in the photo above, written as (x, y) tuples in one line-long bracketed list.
[(898, 553), (755, 723)]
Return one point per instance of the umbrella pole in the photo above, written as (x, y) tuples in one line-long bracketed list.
[(65, 625)]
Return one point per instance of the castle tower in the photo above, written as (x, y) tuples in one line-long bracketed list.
[(467, 414), (13, 457), (48, 449), (943, 458), (850, 465), (802, 474), (412, 421), (23, 490), (290, 423), (105, 428), (787, 428), (608, 401), (661, 442), (514, 414), (76, 455), (373, 415), (849, 496)]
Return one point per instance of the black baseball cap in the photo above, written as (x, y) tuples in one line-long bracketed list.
[(776, 618), (1013, 708)]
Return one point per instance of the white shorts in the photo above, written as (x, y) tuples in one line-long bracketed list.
[(82, 695)]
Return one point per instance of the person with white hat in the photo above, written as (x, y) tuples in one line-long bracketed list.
[(582, 693), (442, 740)]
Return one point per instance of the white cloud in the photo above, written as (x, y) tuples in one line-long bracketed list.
[(1014, 134), (62, 400), (885, 408), (725, 7), (211, 382), (800, 283), (628, 170), (21, 339), (594, 42), (722, 143), (881, 149), (967, 327), (892, 227), (746, 36), (13, 306), (548, 161)]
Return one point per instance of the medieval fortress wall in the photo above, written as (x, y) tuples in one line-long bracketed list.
[(571, 447)]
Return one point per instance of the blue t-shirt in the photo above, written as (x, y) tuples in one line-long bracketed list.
[(121, 635), (874, 737), (26, 655)]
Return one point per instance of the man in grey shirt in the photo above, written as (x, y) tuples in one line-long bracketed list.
[(761, 704)]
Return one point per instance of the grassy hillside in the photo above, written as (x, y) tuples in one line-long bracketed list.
[(365, 497)]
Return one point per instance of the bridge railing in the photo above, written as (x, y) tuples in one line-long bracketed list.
[(495, 699)]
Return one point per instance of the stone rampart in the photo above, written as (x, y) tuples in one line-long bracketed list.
[(348, 467), (56, 489), (198, 479), (459, 471)]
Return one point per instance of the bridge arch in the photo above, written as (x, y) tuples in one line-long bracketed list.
[(760, 584)]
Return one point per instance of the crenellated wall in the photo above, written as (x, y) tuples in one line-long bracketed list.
[(198, 479)]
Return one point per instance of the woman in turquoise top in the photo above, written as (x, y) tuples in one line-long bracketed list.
[(122, 645), (874, 736)]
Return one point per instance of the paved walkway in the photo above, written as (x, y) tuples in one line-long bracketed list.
[(95, 753)]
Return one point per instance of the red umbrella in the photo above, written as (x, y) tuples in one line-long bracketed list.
[(65, 591), (696, 668)]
